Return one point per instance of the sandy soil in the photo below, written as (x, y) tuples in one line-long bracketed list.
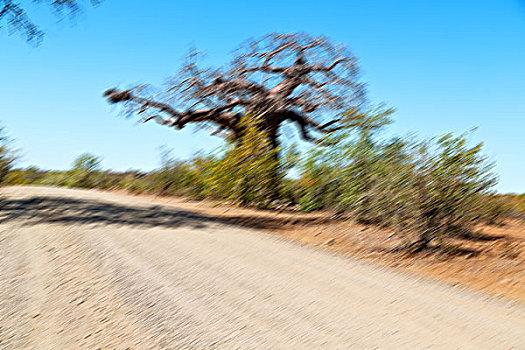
[(87, 270), (491, 260)]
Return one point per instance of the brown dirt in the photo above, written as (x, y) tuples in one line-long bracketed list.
[(493, 260)]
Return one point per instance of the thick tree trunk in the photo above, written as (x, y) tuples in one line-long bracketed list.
[(276, 177)]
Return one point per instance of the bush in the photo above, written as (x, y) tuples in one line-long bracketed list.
[(27, 176), (173, 178), (7, 155), (54, 178), (451, 182), (435, 187), (85, 172), (249, 172)]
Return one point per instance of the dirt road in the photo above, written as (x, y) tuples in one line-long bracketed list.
[(88, 270)]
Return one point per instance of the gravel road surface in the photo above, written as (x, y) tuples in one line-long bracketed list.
[(94, 270)]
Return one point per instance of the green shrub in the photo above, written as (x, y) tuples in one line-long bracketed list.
[(249, 172), (54, 178), (432, 188), (435, 187), (7, 155), (452, 181), (85, 172)]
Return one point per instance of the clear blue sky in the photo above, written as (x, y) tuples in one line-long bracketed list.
[(444, 65)]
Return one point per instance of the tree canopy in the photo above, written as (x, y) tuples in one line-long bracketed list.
[(278, 78)]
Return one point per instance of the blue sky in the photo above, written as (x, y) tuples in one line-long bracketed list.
[(444, 65)]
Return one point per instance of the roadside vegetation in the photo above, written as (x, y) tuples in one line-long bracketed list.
[(427, 190), (424, 189), (8, 154)]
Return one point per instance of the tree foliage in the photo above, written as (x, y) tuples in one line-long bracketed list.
[(14, 15), (8, 155), (434, 187), (424, 190), (249, 172), (86, 169)]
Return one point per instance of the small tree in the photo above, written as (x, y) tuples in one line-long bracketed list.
[(86, 168), (337, 176), (452, 181), (8, 155)]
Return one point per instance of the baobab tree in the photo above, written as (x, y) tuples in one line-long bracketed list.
[(279, 78)]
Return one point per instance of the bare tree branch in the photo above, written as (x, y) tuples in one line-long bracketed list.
[(17, 19), (276, 78)]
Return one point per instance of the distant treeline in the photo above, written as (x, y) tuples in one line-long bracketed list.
[(434, 188)]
